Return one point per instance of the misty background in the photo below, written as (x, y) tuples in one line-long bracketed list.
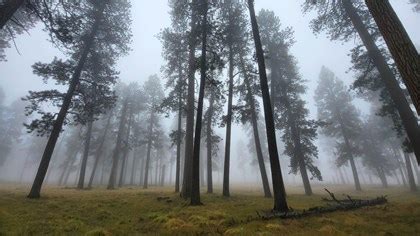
[(149, 18)]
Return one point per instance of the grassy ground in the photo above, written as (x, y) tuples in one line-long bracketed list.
[(136, 211)]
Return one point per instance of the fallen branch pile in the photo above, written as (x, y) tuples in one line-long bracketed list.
[(333, 205)]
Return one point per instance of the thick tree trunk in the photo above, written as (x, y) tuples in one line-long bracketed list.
[(400, 45), (99, 151), (88, 137), (58, 124), (189, 132), (417, 170), (410, 173), (149, 149), (280, 203), (226, 168), (125, 153), (8, 9), (117, 149), (391, 83), (210, 144), (255, 131), (195, 180)]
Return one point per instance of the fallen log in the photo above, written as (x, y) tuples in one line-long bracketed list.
[(334, 205)]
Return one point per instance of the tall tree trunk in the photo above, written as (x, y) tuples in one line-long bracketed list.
[(141, 180), (58, 124), (125, 153), (117, 149), (195, 180), (179, 140), (210, 144), (189, 132), (410, 173), (255, 131), (280, 203), (355, 174), (88, 137), (301, 160), (417, 170), (162, 176), (409, 121), (8, 9), (226, 168), (99, 151), (149, 149), (400, 45), (67, 164), (397, 155)]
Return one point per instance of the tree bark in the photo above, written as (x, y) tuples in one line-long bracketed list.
[(226, 168), (409, 121), (179, 141), (280, 203), (210, 144), (133, 167), (117, 149), (99, 151), (189, 132), (400, 45), (255, 131), (8, 10), (58, 124), (81, 183), (410, 173), (195, 180)]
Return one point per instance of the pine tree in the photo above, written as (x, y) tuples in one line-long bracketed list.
[(341, 117)]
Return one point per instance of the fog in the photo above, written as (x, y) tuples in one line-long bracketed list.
[(149, 18)]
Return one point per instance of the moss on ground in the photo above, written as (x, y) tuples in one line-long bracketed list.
[(136, 211)]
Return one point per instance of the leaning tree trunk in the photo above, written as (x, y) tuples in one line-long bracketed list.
[(8, 9), (99, 151), (189, 132), (117, 149), (81, 183), (195, 178), (301, 160), (210, 144), (382, 177), (226, 168), (254, 123), (58, 124), (400, 45), (149, 149), (280, 203), (409, 121), (410, 173)]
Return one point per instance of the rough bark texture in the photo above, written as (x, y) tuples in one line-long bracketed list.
[(115, 154), (195, 180), (400, 45), (8, 10), (179, 141), (189, 132), (409, 121), (58, 124), (88, 137), (280, 203)]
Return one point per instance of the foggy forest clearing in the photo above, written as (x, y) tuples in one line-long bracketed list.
[(134, 210), (245, 113)]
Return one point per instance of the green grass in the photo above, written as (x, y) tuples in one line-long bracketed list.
[(136, 211)]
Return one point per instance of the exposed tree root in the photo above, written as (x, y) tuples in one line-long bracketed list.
[(333, 205)]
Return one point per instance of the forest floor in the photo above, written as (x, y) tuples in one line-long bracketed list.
[(130, 211)]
